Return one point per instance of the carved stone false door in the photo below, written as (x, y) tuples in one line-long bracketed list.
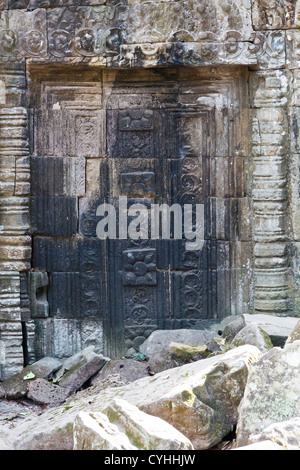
[(162, 154), (177, 137)]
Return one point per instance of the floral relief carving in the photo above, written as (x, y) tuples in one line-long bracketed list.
[(85, 42), (8, 42), (139, 267), (35, 42), (191, 295), (274, 14)]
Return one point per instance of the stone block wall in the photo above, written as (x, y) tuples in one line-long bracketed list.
[(98, 38)]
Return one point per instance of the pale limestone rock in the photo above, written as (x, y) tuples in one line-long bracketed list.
[(264, 445), (276, 327), (93, 431), (272, 393), (200, 400), (181, 353), (128, 370), (285, 434), (253, 334), (146, 432), (6, 438)]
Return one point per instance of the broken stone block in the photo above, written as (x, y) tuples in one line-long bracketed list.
[(278, 328), (233, 328), (79, 368), (157, 346), (253, 334), (146, 432), (127, 369), (43, 392), (200, 400), (16, 386), (93, 431), (182, 354), (272, 393)]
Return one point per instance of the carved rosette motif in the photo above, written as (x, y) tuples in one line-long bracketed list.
[(192, 296)]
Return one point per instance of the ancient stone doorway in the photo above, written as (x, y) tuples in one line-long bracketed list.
[(173, 136)]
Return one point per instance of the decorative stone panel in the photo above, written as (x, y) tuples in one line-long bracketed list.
[(95, 133)]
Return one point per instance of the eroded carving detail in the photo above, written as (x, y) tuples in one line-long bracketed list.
[(274, 14)]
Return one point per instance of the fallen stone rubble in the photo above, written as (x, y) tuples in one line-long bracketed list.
[(227, 388)]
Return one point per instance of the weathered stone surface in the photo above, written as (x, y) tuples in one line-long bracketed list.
[(181, 353), (146, 432), (37, 291), (275, 15), (127, 369), (285, 434), (5, 440), (255, 335), (200, 400), (157, 346), (93, 431), (272, 392), (44, 393), (15, 411), (233, 328), (76, 370), (111, 381), (16, 386), (264, 445), (2, 352), (63, 338)]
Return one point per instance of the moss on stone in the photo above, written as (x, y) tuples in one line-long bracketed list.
[(185, 353), (267, 338), (135, 440), (188, 397)]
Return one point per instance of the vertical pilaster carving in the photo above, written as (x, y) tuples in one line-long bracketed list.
[(270, 197), (15, 241)]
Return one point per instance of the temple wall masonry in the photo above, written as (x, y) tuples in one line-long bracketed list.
[(181, 102)]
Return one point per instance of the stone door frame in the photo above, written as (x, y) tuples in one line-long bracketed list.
[(39, 37)]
